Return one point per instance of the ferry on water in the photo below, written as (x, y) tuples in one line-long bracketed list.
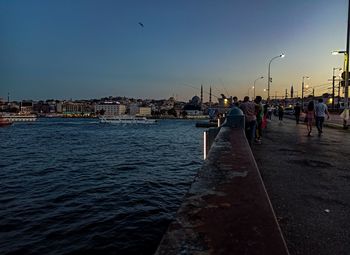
[(126, 119), (20, 117)]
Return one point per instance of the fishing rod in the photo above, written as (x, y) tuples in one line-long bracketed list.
[(222, 84)]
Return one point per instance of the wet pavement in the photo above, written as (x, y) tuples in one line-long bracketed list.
[(308, 182)]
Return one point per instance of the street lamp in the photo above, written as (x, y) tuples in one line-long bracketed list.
[(269, 78), (346, 76), (333, 78), (261, 77), (337, 52), (302, 91)]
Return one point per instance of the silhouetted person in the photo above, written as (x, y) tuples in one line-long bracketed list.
[(248, 109), (235, 102), (280, 112), (297, 110), (321, 110), (269, 112), (310, 113), (259, 117)]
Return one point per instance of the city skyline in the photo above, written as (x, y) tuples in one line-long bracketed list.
[(158, 49)]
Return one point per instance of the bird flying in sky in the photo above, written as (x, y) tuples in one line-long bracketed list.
[(141, 24)]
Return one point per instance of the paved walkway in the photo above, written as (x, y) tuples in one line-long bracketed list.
[(308, 181), (334, 121)]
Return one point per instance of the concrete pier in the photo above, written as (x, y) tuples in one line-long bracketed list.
[(227, 209), (307, 179)]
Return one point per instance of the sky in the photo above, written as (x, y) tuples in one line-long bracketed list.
[(86, 49)]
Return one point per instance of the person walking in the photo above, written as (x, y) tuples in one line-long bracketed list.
[(249, 111), (297, 110), (321, 110), (310, 113), (280, 112), (269, 112)]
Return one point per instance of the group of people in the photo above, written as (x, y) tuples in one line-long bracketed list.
[(256, 115), (313, 112), (255, 118)]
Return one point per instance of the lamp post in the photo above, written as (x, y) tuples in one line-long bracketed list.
[(250, 89), (302, 92), (333, 79), (261, 77), (268, 76), (346, 77)]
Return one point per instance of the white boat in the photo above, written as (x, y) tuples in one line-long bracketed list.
[(20, 117), (126, 119)]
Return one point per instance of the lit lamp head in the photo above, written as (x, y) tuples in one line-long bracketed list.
[(337, 52), (282, 55)]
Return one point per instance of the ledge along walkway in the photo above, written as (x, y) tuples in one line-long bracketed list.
[(308, 182)]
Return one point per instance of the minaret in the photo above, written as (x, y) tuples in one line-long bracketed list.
[(8, 97), (291, 91), (210, 96), (201, 94)]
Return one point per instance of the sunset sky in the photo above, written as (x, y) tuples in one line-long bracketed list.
[(94, 48)]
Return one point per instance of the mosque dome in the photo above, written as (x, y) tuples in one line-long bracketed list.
[(195, 100)]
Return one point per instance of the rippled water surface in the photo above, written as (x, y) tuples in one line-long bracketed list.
[(80, 187)]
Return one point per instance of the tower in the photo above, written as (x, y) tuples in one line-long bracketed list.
[(210, 96), (201, 94)]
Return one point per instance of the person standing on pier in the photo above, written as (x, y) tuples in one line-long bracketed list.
[(280, 113), (297, 110), (249, 111), (321, 111), (269, 111), (259, 118)]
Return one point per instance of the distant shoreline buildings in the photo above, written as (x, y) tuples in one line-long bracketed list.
[(164, 108), (111, 106)]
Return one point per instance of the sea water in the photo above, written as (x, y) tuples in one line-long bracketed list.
[(75, 186)]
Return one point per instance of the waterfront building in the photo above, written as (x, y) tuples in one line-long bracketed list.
[(110, 108), (48, 106), (3, 105), (26, 106), (74, 108), (134, 109), (144, 111)]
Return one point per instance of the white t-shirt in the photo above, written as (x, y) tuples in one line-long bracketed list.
[(320, 110)]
